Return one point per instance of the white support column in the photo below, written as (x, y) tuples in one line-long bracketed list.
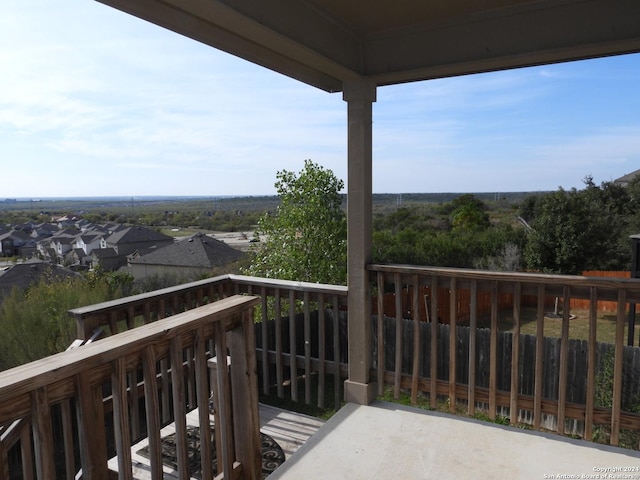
[(359, 95)]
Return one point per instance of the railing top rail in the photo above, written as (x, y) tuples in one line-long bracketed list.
[(145, 297), (40, 373), (290, 285), (142, 298), (539, 278)]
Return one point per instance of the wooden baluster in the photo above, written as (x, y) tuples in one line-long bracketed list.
[(381, 342), (307, 349), (563, 363), (42, 434), (146, 312), (122, 432), (179, 408), (415, 375), (223, 390), (453, 342), (151, 405), (397, 377), (244, 391), (191, 388), (433, 388), (113, 322), (515, 355), (591, 363), (539, 380), (473, 330), (279, 362), (131, 318), (265, 341), (322, 352), (134, 403), (337, 382), (493, 353), (90, 413), (67, 438), (203, 393), (293, 365), (617, 368)]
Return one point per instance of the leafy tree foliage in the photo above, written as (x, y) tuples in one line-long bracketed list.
[(35, 323), (586, 229), (305, 239), (455, 234)]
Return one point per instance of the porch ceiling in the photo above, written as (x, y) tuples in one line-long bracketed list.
[(325, 42)]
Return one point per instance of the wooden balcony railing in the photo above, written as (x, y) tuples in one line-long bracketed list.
[(295, 320), (70, 412), (483, 342), (457, 336)]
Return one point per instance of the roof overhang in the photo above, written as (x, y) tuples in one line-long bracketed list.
[(327, 42)]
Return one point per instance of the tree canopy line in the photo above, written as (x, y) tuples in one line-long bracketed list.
[(304, 238)]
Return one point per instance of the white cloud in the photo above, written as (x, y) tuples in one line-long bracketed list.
[(94, 101)]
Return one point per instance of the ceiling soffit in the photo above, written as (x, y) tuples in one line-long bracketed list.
[(327, 42)]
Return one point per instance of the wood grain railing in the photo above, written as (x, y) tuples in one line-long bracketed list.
[(300, 329), (139, 379), (415, 365), (71, 409)]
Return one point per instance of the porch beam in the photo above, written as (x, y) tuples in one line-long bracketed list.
[(359, 95)]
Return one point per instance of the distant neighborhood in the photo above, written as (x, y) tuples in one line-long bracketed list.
[(74, 244)]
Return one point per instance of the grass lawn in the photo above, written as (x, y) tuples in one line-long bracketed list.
[(578, 325)]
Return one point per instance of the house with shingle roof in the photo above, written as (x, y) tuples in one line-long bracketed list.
[(17, 243), (136, 238), (196, 255), (23, 275), (88, 242), (106, 258), (123, 242)]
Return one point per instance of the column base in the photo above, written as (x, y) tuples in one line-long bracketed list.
[(360, 393)]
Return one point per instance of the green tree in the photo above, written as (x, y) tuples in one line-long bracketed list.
[(35, 323), (580, 230), (305, 239)]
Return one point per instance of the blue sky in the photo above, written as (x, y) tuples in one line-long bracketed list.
[(97, 102)]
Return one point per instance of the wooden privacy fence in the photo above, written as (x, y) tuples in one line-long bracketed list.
[(464, 385), (578, 359), (483, 300), (70, 412), (603, 306)]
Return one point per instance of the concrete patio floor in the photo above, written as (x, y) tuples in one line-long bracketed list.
[(385, 440)]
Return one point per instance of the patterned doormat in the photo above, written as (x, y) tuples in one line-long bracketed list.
[(272, 454)]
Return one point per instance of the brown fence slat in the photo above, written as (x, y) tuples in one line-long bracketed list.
[(399, 329)]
